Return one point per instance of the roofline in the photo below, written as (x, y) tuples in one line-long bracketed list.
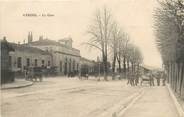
[(67, 54), (62, 45)]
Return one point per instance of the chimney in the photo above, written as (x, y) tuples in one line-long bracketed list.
[(67, 41), (40, 38), (30, 37), (4, 38)]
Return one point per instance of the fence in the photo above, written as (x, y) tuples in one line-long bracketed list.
[(176, 77)]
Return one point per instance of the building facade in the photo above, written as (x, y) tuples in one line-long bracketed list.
[(25, 56), (87, 66), (64, 56), (45, 52)]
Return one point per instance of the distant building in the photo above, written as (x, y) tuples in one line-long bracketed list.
[(64, 56), (87, 66)]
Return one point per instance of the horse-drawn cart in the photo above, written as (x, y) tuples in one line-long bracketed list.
[(34, 73), (148, 78)]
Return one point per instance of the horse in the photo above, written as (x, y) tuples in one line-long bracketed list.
[(35, 73)]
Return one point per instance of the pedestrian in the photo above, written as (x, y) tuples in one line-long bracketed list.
[(87, 75), (79, 75), (158, 79), (132, 78), (164, 76), (136, 77), (128, 77), (151, 79)]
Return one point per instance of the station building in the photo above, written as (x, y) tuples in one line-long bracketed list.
[(64, 56), (24, 56), (46, 52)]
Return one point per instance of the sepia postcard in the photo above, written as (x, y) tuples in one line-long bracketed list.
[(92, 58)]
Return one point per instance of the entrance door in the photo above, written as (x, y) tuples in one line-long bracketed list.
[(61, 66), (19, 62), (65, 71)]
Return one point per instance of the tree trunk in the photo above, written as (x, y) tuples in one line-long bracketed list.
[(128, 66), (113, 66), (172, 76), (124, 65), (132, 65), (182, 89), (119, 64), (105, 68), (181, 79)]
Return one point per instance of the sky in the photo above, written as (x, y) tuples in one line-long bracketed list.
[(71, 18)]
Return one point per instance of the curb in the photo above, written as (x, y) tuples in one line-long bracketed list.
[(176, 103), (18, 86)]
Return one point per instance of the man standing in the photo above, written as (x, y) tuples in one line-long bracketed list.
[(164, 78), (158, 78), (151, 79)]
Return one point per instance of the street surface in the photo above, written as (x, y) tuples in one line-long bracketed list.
[(71, 97)]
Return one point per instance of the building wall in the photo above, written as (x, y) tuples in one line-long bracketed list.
[(88, 64), (66, 59), (66, 63), (31, 56)]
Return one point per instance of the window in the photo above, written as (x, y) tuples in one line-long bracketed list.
[(48, 63), (61, 65), (70, 65), (10, 61), (36, 62), (43, 62), (19, 62), (77, 66), (28, 62), (73, 65)]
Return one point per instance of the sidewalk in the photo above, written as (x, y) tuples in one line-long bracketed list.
[(155, 102), (177, 101), (18, 83)]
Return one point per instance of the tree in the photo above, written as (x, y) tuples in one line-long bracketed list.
[(124, 50), (169, 30), (135, 57), (119, 50), (115, 36), (100, 31)]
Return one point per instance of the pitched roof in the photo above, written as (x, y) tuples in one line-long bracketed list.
[(28, 49), (87, 60), (48, 42)]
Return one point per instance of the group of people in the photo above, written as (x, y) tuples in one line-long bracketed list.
[(33, 73), (135, 78)]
